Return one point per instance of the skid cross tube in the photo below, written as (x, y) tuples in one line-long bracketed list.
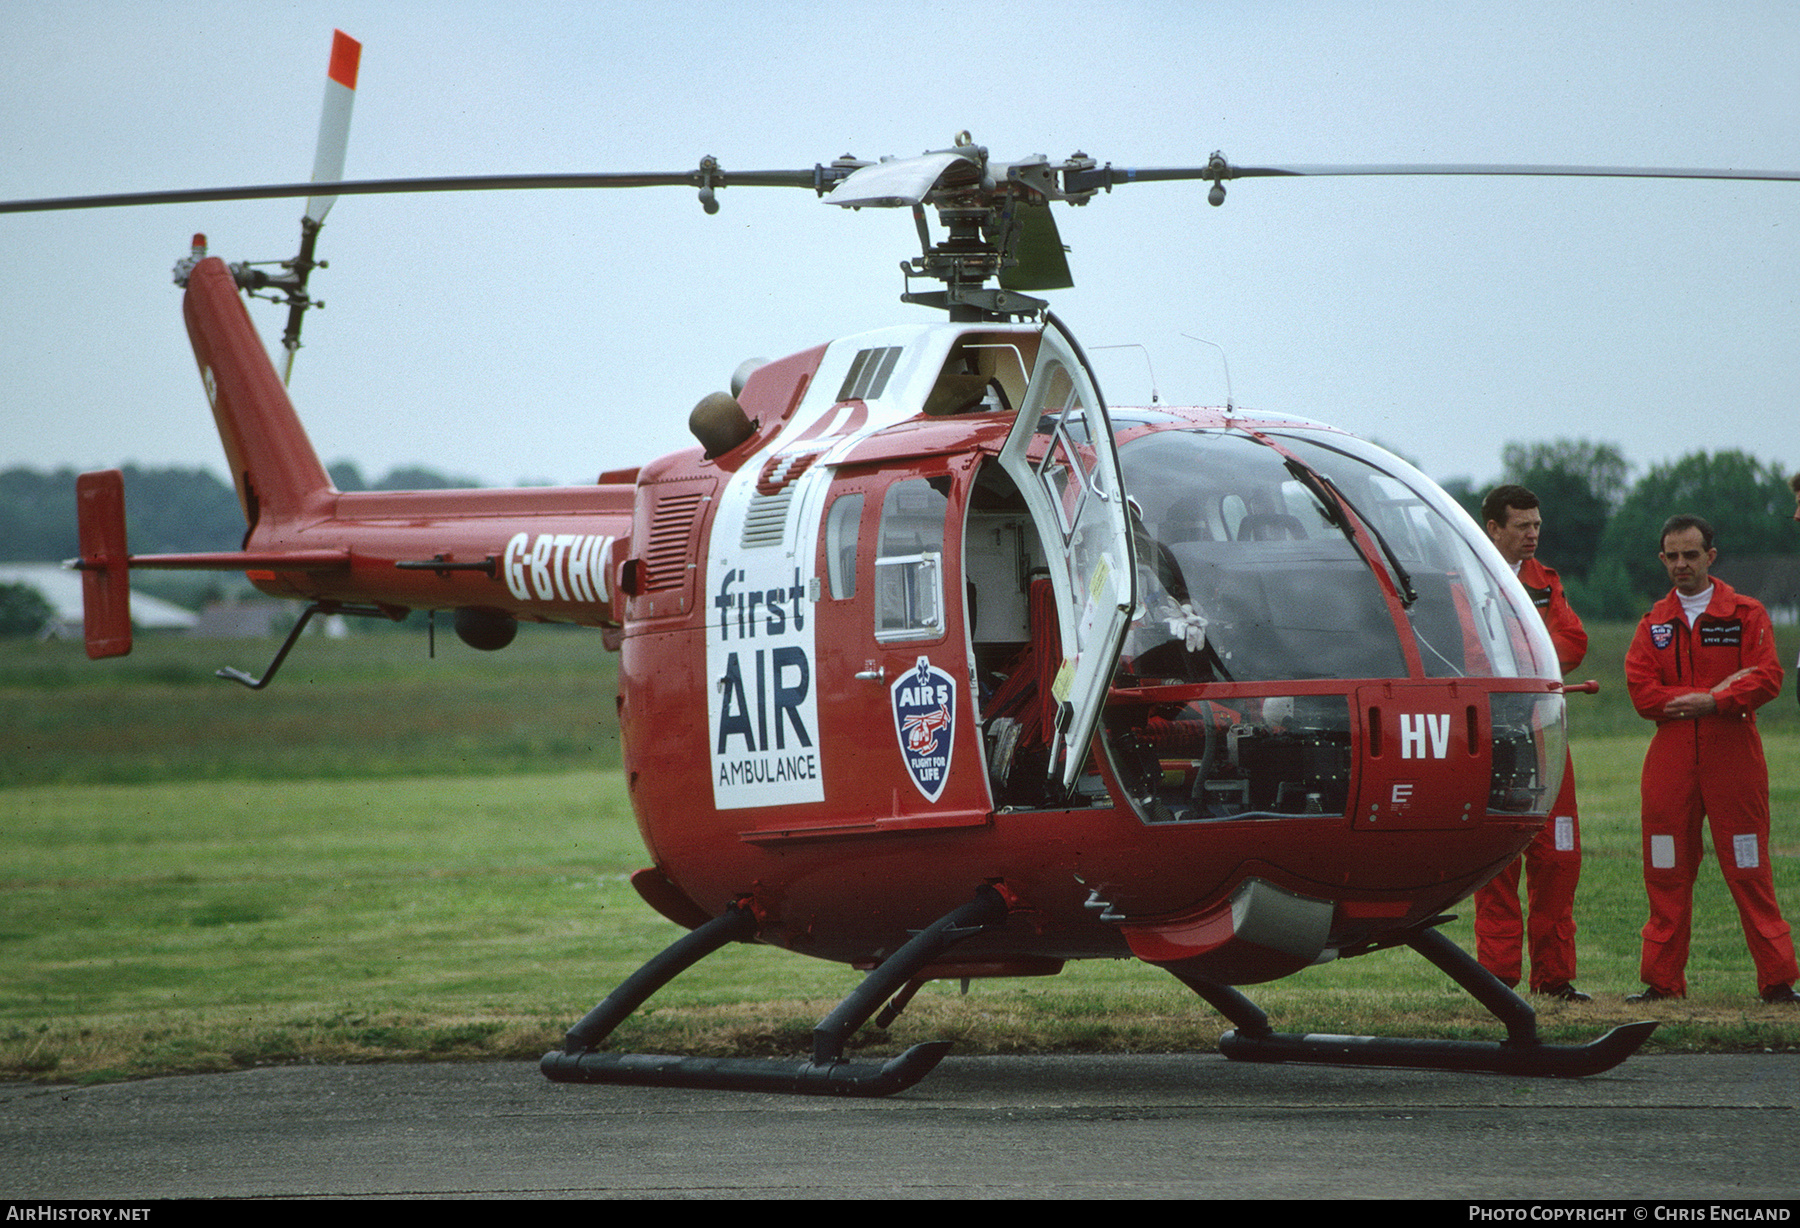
[(1521, 1053), (825, 1073)]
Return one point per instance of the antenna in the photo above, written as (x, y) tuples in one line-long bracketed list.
[(1155, 399), (1222, 362)]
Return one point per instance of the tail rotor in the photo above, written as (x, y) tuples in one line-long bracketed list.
[(289, 285)]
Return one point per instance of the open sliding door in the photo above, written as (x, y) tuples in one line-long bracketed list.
[(1061, 456)]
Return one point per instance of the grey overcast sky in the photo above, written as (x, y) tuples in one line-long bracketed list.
[(552, 336)]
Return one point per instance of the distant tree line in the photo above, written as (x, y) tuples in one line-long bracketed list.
[(1600, 528), (167, 510), (346, 476)]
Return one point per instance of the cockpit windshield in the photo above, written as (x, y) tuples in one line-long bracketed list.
[(1244, 575)]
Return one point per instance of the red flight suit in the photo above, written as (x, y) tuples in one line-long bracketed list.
[(1552, 860), (1709, 766)]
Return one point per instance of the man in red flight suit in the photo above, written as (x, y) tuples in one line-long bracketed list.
[(1552, 860), (1702, 661)]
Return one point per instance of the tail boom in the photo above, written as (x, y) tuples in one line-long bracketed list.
[(544, 554)]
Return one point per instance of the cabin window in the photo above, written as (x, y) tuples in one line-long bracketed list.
[(841, 525), (909, 566)]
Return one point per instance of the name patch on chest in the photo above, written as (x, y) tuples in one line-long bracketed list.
[(1722, 633)]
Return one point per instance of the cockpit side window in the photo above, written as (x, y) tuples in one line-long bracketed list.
[(1467, 621), (1248, 582), (1277, 591)]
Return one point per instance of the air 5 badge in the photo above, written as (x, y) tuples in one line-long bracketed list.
[(1662, 634), (925, 722)]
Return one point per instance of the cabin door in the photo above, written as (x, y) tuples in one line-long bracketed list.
[(1062, 458)]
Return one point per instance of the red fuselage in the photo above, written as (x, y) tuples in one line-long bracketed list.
[(1226, 693)]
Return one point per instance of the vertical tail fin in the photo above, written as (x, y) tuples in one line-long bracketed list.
[(277, 474), (105, 578)]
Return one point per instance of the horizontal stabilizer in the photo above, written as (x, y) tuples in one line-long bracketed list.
[(105, 563)]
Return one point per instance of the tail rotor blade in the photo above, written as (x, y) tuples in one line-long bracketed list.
[(334, 120), (328, 167)]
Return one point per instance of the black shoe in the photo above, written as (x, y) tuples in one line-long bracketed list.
[(1565, 991), (1781, 995), (1653, 994)]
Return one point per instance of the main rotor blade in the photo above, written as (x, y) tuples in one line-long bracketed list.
[(1107, 177), (334, 119), (809, 178), (1481, 168), (823, 178)]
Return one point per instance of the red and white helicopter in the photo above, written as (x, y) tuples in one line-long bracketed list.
[(934, 664)]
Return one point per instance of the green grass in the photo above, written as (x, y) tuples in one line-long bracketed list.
[(369, 706), (383, 857)]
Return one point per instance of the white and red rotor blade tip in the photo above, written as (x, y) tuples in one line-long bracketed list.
[(334, 120)]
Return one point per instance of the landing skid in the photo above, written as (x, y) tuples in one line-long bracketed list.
[(825, 1074), (1521, 1053)]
